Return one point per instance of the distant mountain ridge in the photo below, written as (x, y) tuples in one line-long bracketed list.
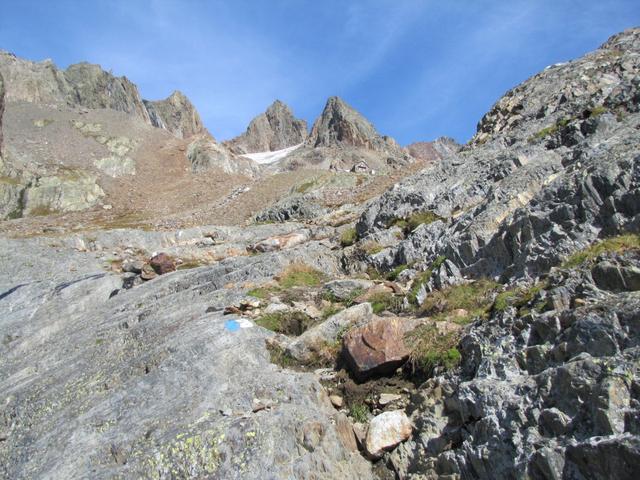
[(88, 85)]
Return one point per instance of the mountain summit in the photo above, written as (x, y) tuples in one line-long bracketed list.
[(341, 125), (275, 129)]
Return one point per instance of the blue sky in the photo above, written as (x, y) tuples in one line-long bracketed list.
[(416, 69)]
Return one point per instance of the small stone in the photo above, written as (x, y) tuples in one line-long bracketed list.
[(386, 431), (336, 401), (107, 207), (387, 398), (345, 432)]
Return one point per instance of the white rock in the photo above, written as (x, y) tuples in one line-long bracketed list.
[(387, 398), (386, 431)]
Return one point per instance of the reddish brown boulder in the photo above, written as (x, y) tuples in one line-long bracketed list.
[(377, 348), (162, 263)]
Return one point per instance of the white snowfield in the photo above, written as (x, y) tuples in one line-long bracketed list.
[(270, 157)]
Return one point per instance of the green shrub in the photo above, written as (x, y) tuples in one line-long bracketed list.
[(348, 237), (288, 323), (414, 220), (359, 412), (330, 310), (423, 279), (371, 247), (393, 274), (385, 301)]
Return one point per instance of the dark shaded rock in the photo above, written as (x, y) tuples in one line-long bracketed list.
[(162, 263), (604, 459)]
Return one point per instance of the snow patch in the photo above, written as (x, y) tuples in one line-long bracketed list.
[(270, 157)]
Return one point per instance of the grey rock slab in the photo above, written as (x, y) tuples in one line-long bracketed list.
[(100, 385)]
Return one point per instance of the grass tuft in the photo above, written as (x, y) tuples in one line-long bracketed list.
[(475, 298), (431, 349), (616, 244), (348, 237)]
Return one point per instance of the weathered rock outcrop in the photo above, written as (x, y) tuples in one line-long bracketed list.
[(204, 153), (92, 87), (295, 207), (175, 114), (433, 151), (548, 390), (272, 130), (340, 125), (535, 185)]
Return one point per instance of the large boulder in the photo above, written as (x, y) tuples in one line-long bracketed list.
[(377, 348)]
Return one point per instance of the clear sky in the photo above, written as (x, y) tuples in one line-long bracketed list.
[(416, 69)]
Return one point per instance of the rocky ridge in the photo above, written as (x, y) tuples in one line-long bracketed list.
[(275, 129), (87, 85)]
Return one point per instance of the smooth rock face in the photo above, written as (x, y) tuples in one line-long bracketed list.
[(164, 390), (272, 130), (175, 114), (386, 431), (377, 348), (61, 193)]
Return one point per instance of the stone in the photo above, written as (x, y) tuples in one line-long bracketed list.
[(134, 266), (386, 431), (294, 207), (162, 263), (346, 289), (279, 242), (336, 400), (344, 429), (377, 348), (388, 398)]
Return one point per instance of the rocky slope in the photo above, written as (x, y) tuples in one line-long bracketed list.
[(478, 319), (275, 129)]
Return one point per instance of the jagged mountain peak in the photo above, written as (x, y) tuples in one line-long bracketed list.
[(339, 124), (275, 129)]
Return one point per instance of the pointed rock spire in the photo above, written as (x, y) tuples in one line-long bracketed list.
[(340, 124), (175, 114), (275, 129)]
